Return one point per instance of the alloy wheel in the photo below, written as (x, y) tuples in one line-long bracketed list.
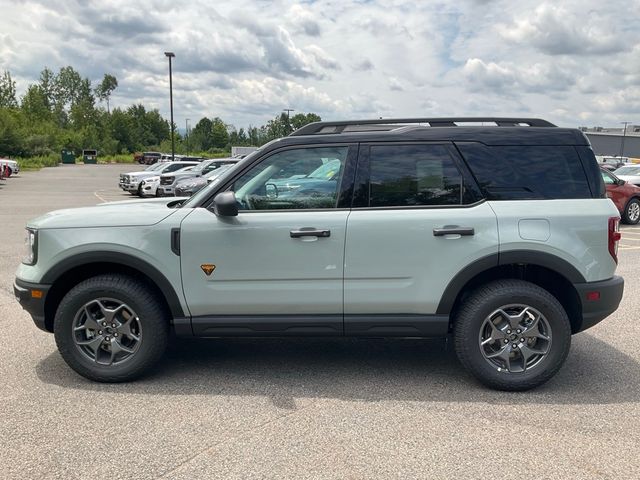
[(515, 338)]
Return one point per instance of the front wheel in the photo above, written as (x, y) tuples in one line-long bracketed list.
[(512, 335), (631, 214), (111, 328)]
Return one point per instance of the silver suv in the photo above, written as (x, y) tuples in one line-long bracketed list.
[(168, 181), (500, 236)]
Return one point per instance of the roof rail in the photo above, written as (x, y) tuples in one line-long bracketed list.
[(386, 124)]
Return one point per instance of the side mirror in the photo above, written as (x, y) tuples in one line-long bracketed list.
[(271, 190), (620, 182), (225, 205)]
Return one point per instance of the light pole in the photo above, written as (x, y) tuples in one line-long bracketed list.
[(186, 132), (624, 133), (170, 55), (288, 122)]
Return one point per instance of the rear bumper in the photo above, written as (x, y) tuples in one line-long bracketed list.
[(31, 301), (594, 311)]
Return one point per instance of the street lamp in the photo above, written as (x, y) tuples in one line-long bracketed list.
[(186, 132), (624, 133), (170, 55), (288, 122)]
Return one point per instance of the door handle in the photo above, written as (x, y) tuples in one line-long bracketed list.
[(453, 230), (309, 232)]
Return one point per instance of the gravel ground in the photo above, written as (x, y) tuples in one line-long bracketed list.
[(311, 408)]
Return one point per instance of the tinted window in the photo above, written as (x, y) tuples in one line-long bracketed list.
[(290, 180), (521, 172), (409, 175)]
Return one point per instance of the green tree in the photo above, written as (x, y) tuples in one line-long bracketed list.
[(10, 140), (219, 134), (7, 91), (202, 135), (105, 89), (47, 86), (35, 104), (299, 120)]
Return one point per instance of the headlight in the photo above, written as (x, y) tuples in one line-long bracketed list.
[(31, 247)]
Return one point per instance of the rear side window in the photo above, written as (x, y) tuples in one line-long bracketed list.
[(413, 175), (527, 172)]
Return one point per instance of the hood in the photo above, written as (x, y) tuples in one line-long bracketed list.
[(634, 179), (127, 213), (142, 174)]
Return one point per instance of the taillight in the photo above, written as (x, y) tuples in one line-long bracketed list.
[(614, 237)]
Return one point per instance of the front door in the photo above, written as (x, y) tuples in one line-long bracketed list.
[(276, 268)]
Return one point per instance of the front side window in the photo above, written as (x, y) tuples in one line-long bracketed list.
[(294, 179), (413, 175), (608, 179)]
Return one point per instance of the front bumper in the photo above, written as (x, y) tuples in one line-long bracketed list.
[(129, 187), (609, 297), (165, 191), (32, 298)]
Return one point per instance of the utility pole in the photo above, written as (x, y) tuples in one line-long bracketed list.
[(170, 55), (186, 132), (288, 122), (624, 133)]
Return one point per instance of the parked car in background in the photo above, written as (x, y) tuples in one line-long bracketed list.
[(145, 157), (131, 182), (629, 173), (9, 166), (149, 186), (625, 195), (149, 158), (168, 180), (188, 186)]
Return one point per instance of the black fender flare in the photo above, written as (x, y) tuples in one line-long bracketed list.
[(525, 257), (124, 259)]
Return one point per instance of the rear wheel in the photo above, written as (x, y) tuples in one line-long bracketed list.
[(111, 328), (512, 335), (631, 214)]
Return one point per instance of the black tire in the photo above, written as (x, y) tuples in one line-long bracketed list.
[(631, 214), (472, 318), (151, 316)]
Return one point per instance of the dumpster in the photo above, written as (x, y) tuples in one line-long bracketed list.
[(68, 156), (90, 156)]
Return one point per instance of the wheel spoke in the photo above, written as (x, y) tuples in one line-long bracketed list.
[(533, 331), (93, 344), (528, 352), (503, 354)]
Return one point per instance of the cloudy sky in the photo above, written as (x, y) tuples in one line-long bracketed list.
[(571, 62)]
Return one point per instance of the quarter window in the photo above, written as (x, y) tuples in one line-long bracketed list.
[(413, 175)]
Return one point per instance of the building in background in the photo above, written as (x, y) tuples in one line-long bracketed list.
[(612, 141)]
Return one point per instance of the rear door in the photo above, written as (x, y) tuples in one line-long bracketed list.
[(417, 221)]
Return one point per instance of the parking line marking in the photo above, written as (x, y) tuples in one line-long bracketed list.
[(99, 197)]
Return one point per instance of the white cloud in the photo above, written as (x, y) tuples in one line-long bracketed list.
[(571, 61)]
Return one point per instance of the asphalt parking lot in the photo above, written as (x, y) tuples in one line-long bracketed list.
[(303, 408)]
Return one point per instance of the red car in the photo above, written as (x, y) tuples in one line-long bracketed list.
[(625, 195)]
